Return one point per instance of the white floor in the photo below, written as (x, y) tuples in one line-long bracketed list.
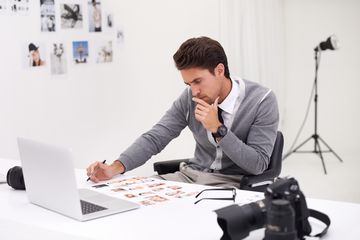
[(340, 183)]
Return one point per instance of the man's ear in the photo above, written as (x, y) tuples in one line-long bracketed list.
[(220, 70)]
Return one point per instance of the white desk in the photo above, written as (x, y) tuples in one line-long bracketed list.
[(173, 220)]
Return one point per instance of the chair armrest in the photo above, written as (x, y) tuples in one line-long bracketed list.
[(268, 175), (169, 166)]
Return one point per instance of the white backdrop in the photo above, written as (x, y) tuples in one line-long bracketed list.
[(252, 32), (98, 110), (307, 24)]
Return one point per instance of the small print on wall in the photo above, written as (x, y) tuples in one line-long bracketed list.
[(19, 6), (80, 51), (120, 36), (47, 15), (109, 22), (3, 6), (104, 52), (71, 16), (35, 55), (58, 59), (94, 16)]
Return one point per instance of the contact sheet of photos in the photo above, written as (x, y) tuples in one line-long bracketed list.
[(63, 16), (145, 190)]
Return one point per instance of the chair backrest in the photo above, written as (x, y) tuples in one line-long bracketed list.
[(276, 156), (260, 182)]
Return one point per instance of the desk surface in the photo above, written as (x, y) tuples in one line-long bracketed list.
[(180, 219)]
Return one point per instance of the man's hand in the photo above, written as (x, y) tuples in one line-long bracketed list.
[(207, 114), (99, 171)]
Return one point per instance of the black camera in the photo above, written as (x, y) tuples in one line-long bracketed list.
[(15, 178), (283, 212)]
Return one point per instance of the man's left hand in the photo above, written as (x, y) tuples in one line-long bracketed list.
[(207, 114)]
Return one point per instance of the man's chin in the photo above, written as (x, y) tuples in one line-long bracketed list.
[(208, 100)]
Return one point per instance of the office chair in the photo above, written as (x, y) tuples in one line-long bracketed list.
[(250, 182)]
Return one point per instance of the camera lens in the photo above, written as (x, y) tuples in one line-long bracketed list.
[(280, 221), (237, 221), (15, 178)]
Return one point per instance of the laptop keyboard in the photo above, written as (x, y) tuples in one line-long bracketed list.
[(88, 207)]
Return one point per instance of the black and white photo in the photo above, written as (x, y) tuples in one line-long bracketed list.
[(19, 6), (47, 15), (71, 16), (120, 36), (109, 23), (3, 6), (58, 59)]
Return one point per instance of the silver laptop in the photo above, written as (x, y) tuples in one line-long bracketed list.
[(51, 183)]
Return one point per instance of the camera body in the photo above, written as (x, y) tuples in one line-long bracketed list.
[(288, 189), (283, 212)]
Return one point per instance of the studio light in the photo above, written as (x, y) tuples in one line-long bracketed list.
[(331, 43)]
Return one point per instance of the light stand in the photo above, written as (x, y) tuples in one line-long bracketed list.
[(330, 43)]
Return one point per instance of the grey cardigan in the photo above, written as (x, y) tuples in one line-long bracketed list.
[(246, 147)]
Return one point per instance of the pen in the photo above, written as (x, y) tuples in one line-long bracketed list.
[(94, 171)]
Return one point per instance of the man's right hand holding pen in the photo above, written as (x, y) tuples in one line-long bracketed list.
[(100, 171)]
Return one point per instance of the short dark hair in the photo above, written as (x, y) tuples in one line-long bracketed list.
[(202, 52)]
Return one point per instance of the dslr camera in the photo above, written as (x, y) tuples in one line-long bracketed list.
[(283, 212)]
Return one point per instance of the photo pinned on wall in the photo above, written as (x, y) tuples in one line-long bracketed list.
[(58, 59), (35, 54), (109, 22), (47, 15), (120, 36), (95, 23), (80, 51), (104, 52), (19, 6), (71, 16), (3, 6)]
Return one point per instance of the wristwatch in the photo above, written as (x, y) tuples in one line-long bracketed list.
[(221, 131)]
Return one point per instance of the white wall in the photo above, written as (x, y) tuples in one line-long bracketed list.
[(309, 22), (98, 110), (89, 109)]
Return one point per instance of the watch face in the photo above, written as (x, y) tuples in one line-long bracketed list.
[(222, 130)]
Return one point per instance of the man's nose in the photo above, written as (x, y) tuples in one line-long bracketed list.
[(195, 91)]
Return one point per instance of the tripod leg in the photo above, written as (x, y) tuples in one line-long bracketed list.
[(322, 140), (295, 149), (320, 154)]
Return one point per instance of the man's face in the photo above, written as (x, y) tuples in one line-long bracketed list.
[(203, 83)]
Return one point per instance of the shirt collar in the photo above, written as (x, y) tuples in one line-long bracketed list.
[(229, 102)]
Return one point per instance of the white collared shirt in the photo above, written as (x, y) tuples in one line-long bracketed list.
[(229, 106)]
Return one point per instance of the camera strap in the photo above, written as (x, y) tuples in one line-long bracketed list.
[(322, 217)]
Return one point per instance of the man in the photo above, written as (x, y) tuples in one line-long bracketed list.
[(237, 142)]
